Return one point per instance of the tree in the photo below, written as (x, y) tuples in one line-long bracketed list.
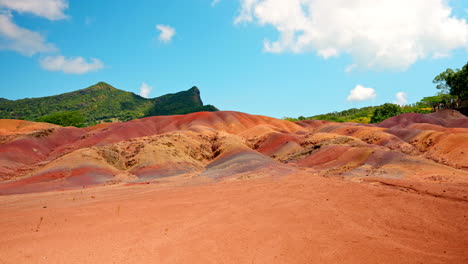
[(73, 118), (431, 100), (385, 111), (458, 83), (453, 82), (441, 80)]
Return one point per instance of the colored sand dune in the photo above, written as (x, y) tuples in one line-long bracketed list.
[(214, 187)]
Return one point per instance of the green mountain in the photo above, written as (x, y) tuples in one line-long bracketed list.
[(104, 103)]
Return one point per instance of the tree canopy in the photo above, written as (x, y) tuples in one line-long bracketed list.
[(385, 111), (72, 118), (454, 82)]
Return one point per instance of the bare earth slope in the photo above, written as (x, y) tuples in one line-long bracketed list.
[(229, 187)]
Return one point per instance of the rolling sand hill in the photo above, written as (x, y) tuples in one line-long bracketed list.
[(229, 187)]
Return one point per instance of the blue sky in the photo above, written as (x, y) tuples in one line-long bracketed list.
[(268, 57)]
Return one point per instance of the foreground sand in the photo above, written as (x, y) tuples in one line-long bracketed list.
[(229, 187), (299, 218)]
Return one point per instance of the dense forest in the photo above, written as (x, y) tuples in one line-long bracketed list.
[(101, 103)]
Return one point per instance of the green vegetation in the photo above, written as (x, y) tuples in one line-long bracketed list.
[(364, 115), (437, 99), (357, 115), (102, 103), (179, 104), (454, 83), (385, 111), (74, 118)]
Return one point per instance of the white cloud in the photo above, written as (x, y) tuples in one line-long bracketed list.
[(361, 93), (76, 65), (166, 33), (145, 90), (50, 9), (350, 68), (29, 43), (247, 10), (24, 41), (401, 99), (214, 2), (377, 34)]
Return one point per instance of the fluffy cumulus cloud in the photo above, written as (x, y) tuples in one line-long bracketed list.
[(361, 93), (145, 90), (401, 98), (29, 43), (377, 34), (50, 9), (24, 41), (77, 65), (166, 33)]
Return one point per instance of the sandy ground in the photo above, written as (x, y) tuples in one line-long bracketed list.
[(299, 218), (229, 187)]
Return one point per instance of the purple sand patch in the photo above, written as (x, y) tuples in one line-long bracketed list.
[(239, 162), (403, 133), (57, 180), (163, 171), (381, 158)]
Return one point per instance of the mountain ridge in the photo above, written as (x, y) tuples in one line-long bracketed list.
[(103, 102)]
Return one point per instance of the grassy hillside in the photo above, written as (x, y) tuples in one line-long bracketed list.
[(104, 103), (362, 115), (357, 115)]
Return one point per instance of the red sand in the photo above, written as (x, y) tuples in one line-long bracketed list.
[(447, 118), (302, 218), (165, 146), (229, 187)]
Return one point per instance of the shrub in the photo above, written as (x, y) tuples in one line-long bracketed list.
[(73, 118), (385, 111)]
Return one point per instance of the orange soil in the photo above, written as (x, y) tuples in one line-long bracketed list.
[(229, 187), (300, 218), (11, 126), (166, 146)]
